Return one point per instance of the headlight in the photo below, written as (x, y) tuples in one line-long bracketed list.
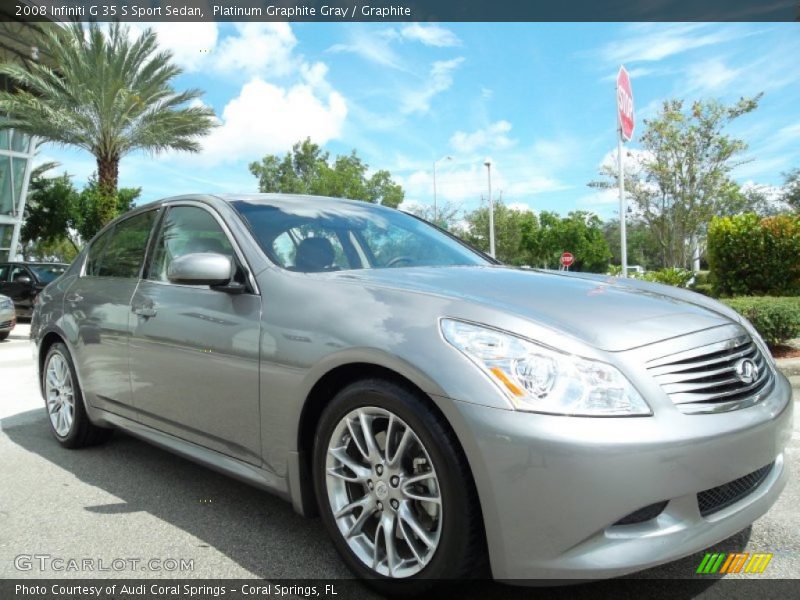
[(6, 304), (538, 379)]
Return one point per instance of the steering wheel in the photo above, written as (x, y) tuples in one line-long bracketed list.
[(399, 259)]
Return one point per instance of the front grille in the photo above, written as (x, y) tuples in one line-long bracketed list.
[(643, 514), (722, 496), (6, 324), (705, 379)]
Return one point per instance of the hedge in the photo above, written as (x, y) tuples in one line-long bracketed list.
[(776, 319), (750, 256)]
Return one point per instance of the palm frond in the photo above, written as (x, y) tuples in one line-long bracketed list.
[(111, 94)]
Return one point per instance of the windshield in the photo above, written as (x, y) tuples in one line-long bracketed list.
[(343, 237), (47, 273)]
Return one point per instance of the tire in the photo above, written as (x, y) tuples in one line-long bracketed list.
[(69, 423), (434, 459), (4, 335)]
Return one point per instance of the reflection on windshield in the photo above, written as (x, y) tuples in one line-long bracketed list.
[(47, 273), (308, 238)]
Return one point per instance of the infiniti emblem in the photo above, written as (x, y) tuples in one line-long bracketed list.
[(746, 370)]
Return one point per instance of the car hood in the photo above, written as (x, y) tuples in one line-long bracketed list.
[(607, 312)]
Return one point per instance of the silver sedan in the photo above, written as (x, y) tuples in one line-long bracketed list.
[(441, 412)]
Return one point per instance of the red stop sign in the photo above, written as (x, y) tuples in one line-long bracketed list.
[(567, 259), (625, 104)]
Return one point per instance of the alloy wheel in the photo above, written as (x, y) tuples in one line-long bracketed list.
[(60, 394), (383, 491)]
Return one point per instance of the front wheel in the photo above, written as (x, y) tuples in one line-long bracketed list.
[(394, 490)]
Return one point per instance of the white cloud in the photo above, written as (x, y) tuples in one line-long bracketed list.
[(265, 118), (430, 35), (374, 48), (257, 48), (440, 79), (657, 41), (710, 75), (190, 43), (492, 137), (520, 207)]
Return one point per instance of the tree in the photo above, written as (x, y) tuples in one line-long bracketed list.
[(682, 176), (446, 217), (791, 189), (306, 169), (110, 94), (580, 233), (59, 219), (643, 248), (511, 228)]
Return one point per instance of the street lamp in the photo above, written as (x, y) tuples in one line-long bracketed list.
[(434, 183), (488, 164)]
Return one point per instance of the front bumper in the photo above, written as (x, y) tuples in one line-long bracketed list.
[(552, 487)]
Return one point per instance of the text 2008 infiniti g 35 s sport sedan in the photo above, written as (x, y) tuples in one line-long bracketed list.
[(434, 407)]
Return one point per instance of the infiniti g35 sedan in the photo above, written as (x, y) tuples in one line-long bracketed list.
[(441, 412)]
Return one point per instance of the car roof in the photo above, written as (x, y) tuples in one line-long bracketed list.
[(287, 200), (36, 263)]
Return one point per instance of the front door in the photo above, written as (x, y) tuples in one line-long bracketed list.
[(194, 351)]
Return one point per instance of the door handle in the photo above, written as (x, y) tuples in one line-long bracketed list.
[(146, 311), (73, 297)]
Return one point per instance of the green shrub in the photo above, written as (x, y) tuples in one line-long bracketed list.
[(704, 288), (671, 276), (702, 278), (749, 256), (776, 319)]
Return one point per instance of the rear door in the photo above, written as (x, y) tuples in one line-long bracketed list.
[(194, 351), (98, 302)]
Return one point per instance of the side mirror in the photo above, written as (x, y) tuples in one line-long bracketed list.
[(201, 268), (23, 279)]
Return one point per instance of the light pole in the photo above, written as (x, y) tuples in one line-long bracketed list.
[(488, 164), (434, 183)]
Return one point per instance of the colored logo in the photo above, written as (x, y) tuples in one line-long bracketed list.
[(746, 370), (734, 562)]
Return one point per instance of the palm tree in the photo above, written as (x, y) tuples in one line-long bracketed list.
[(109, 93)]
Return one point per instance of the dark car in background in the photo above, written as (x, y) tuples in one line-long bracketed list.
[(22, 282)]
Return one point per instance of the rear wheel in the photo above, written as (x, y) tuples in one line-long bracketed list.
[(69, 423), (394, 490)]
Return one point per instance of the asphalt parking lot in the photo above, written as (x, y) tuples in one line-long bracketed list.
[(129, 500)]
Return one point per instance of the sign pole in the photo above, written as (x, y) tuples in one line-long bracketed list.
[(625, 125), (622, 208)]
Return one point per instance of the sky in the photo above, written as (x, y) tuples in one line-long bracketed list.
[(537, 99)]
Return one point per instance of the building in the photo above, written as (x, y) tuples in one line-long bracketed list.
[(16, 149)]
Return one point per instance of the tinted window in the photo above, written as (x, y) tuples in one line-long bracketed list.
[(47, 273), (18, 272), (187, 230), (3, 273), (124, 249), (95, 257), (350, 236)]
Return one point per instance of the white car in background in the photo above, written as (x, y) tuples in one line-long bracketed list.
[(8, 318)]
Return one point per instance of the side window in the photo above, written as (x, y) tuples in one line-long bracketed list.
[(18, 272), (3, 273), (95, 257), (186, 230), (125, 248)]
